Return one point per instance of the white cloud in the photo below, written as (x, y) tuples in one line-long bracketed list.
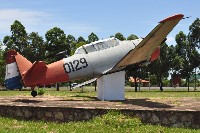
[(26, 17), (171, 40), (40, 22)]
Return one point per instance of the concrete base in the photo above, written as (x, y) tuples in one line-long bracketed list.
[(111, 87)]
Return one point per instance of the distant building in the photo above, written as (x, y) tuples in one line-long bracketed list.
[(145, 83), (176, 80)]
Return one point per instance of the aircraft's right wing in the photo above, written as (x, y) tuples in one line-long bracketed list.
[(143, 51)]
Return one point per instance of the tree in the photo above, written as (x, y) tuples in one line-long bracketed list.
[(162, 65), (80, 44), (194, 33), (132, 37), (36, 47), (81, 39), (136, 71), (71, 41), (56, 42), (30, 45), (8, 42), (187, 55), (194, 40), (18, 39), (2, 64), (92, 38), (120, 36)]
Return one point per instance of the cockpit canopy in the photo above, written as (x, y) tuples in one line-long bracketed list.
[(97, 46)]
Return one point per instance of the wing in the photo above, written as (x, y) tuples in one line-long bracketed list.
[(143, 51)]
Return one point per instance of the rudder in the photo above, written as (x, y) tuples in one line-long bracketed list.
[(16, 67), (12, 77)]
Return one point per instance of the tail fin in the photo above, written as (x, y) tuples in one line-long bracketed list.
[(16, 65)]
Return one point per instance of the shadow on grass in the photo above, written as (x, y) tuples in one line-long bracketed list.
[(145, 102), (27, 101), (88, 98)]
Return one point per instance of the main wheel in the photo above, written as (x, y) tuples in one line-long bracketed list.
[(34, 93)]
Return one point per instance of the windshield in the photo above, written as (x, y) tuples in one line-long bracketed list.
[(97, 46)]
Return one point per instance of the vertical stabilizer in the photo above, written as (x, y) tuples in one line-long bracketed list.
[(16, 65), (12, 77)]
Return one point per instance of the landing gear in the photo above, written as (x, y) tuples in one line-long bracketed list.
[(34, 93)]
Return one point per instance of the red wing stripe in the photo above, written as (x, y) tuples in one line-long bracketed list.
[(178, 16)]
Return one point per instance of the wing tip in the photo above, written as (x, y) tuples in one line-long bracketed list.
[(177, 16)]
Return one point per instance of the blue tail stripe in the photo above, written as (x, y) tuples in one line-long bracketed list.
[(13, 83)]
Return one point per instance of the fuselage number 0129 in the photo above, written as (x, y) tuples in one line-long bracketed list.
[(75, 65)]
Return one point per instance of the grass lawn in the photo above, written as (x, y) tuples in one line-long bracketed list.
[(88, 93), (111, 122)]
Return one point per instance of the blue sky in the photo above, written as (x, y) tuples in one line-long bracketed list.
[(103, 17)]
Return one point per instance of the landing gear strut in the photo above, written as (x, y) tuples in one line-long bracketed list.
[(33, 93)]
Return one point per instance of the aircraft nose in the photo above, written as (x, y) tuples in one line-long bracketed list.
[(155, 54)]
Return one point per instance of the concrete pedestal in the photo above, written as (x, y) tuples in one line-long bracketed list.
[(111, 86)]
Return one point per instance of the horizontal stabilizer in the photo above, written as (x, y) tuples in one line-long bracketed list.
[(36, 69)]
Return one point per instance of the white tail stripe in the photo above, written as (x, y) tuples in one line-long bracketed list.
[(11, 70)]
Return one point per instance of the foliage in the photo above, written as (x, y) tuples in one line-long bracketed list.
[(162, 65), (71, 41), (132, 37), (81, 39), (56, 42), (2, 64), (29, 45), (92, 38), (18, 39), (194, 33), (187, 54), (120, 36), (137, 72), (41, 91), (36, 47)]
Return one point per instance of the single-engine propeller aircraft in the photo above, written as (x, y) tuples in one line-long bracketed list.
[(89, 61)]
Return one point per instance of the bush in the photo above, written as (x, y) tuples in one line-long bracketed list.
[(41, 91)]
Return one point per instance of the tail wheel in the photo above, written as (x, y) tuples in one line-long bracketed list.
[(34, 93)]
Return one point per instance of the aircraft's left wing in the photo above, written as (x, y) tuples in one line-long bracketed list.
[(143, 51)]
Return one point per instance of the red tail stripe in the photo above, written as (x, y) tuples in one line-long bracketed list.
[(10, 56)]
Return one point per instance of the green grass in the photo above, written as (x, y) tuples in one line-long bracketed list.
[(111, 122), (89, 93)]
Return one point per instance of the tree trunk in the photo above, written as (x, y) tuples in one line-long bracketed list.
[(188, 83), (95, 84), (195, 80), (135, 84), (161, 85), (70, 86), (57, 86)]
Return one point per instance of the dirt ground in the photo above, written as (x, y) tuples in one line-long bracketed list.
[(180, 104)]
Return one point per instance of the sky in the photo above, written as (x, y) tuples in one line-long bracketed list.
[(103, 17)]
